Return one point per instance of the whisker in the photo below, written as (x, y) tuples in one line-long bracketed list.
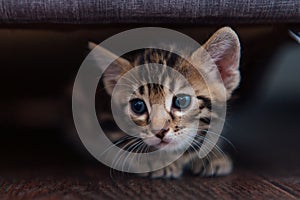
[(133, 147), (118, 156), (220, 136), (201, 147), (117, 142)]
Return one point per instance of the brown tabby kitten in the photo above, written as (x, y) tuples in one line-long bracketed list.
[(164, 128)]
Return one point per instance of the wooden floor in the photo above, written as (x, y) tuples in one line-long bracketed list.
[(96, 182), (37, 164)]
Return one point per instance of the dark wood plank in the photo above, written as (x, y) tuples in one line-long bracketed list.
[(97, 183), (286, 180)]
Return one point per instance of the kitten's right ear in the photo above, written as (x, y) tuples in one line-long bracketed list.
[(223, 47), (115, 70)]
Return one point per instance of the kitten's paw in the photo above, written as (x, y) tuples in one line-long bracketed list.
[(217, 166), (172, 171)]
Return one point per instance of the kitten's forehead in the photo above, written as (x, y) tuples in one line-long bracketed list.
[(169, 82), (155, 93), (166, 86), (158, 77)]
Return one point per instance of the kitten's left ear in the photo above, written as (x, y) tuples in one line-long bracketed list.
[(112, 74), (224, 50)]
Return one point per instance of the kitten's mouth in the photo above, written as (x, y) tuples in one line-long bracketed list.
[(162, 144), (158, 143)]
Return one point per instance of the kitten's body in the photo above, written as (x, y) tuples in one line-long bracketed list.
[(163, 124)]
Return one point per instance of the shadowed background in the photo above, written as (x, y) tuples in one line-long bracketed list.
[(38, 67)]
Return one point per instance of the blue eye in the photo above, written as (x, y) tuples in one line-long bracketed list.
[(138, 106), (181, 101)]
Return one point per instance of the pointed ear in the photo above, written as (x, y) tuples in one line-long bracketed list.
[(224, 50), (115, 70)]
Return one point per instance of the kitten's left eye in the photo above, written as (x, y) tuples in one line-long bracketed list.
[(181, 101), (138, 106)]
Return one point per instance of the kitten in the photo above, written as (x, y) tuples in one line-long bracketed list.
[(171, 123)]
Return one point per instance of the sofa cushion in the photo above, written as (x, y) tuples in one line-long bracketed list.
[(149, 11)]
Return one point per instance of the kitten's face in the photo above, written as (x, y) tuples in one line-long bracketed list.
[(170, 102), (169, 119), (168, 112), (172, 112)]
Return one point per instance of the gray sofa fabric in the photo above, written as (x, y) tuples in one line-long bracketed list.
[(149, 11)]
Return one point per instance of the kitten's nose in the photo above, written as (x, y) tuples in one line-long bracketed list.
[(161, 133)]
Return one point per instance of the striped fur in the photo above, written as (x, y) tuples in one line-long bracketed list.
[(158, 91)]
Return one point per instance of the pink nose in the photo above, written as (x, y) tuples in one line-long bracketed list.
[(161, 133)]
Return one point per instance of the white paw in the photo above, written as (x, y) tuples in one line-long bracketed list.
[(218, 167), (171, 171), (215, 167)]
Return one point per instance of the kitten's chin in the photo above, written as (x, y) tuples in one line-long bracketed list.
[(167, 143), (158, 143), (163, 144), (169, 146), (152, 141)]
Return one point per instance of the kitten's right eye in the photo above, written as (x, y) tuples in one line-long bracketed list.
[(138, 106), (181, 101)]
